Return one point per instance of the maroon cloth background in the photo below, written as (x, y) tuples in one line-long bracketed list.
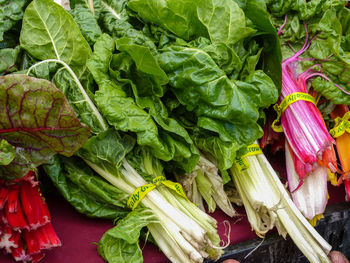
[(78, 233)]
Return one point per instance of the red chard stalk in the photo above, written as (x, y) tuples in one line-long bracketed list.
[(25, 222)]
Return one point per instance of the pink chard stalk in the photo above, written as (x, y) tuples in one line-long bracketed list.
[(309, 146)]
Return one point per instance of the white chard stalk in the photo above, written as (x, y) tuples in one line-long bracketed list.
[(311, 197), (206, 183), (184, 233), (268, 204)]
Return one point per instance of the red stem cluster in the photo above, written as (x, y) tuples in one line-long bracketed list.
[(25, 222)]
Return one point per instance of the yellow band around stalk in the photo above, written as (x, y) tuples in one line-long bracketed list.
[(341, 126), (143, 190), (241, 162), (287, 101)]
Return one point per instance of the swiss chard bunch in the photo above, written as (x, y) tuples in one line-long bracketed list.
[(315, 52), (200, 85)]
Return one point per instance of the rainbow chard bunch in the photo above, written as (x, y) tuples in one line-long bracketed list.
[(25, 222), (309, 150), (321, 66)]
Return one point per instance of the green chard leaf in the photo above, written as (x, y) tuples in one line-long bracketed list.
[(152, 77), (11, 12), (64, 81), (54, 35), (86, 21), (331, 26), (7, 152), (224, 21), (121, 243), (225, 108), (306, 9), (225, 57), (271, 57), (328, 26), (115, 20), (179, 17), (88, 193), (38, 121), (8, 59), (107, 149), (146, 82), (167, 141)]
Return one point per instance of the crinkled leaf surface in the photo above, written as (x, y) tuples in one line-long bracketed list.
[(146, 82), (107, 149), (64, 81), (146, 64), (121, 243), (179, 17), (120, 110), (204, 88), (224, 21), (305, 9), (7, 152), (168, 141), (229, 109), (86, 21), (8, 59), (115, 20), (49, 32), (329, 20), (36, 118), (86, 192), (55, 35), (271, 57), (11, 11)]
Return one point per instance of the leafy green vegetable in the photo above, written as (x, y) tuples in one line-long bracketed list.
[(85, 191), (227, 108), (271, 57), (172, 76), (37, 119), (327, 25), (167, 142), (8, 60), (121, 243), (106, 153), (121, 111), (116, 20), (305, 9), (64, 81), (147, 65), (225, 57), (179, 17), (47, 36), (86, 21), (224, 21), (11, 11), (61, 42), (107, 149), (7, 152)]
